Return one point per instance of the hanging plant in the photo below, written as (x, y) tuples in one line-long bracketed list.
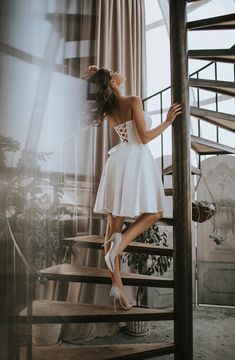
[(216, 235), (203, 210)]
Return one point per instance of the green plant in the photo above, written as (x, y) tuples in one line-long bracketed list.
[(148, 264), (35, 211), (216, 235)]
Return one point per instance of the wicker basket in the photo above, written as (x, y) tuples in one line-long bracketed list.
[(203, 210), (137, 328), (46, 334)]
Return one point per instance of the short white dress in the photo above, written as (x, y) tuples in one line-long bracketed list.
[(131, 182)]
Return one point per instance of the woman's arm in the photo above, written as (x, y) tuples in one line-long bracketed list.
[(138, 116)]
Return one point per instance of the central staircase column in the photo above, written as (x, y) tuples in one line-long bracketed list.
[(181, 184)]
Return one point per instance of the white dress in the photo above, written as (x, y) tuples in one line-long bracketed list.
[(131, 182)]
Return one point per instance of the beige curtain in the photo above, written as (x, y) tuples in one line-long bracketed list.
[(111, 34), (119, 45), (121, 41)]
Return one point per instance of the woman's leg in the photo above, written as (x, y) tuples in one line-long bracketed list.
[(114, 224), (137, 228)]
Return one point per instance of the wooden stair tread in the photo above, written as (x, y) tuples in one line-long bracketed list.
[(205, 147), (163, 222), (213, 23), (100, 352), (168, 170), (223, 87), (223, 120), (222, 55), (168, 191), (56, 312), (95, 242), (68, 272)]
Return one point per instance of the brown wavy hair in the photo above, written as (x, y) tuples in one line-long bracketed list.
[(104, 93)]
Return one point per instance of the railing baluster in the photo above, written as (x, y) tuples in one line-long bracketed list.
[(216, 103), (162, 139), (198, 121), (198, 105), (29, 298)]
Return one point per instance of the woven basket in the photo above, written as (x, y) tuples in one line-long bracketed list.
[(203, 210), (137, 328), (46, 334)]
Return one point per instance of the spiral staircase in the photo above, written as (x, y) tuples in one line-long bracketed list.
[(52, 312)]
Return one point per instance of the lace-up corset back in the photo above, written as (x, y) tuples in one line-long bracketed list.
[(127, 130), (121, 130)]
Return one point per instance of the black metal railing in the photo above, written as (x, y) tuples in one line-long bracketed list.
[(198, 102)]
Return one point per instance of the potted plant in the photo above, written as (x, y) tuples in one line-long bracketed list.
[(146, 265)]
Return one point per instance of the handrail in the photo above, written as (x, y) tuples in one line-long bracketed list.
[(168, 87), (202, 68), (158, 93)]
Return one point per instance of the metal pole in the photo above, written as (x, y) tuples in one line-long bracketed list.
[(162, 139), (183, 327), (29, 296)]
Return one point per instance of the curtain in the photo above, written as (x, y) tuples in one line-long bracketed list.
[(121, 41), (119, 45), (111, 34)]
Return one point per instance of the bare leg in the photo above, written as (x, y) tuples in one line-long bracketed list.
[(114, 224), (137, 228)]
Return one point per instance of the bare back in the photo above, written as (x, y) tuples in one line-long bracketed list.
[(123, 113)]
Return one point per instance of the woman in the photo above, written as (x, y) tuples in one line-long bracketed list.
[(130, 184)]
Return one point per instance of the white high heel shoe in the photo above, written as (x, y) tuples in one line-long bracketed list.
[(115, 240), (116, 295)]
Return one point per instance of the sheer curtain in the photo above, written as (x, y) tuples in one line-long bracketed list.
[(45, 50)]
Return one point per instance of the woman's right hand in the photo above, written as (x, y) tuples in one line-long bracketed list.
[(174, 110), (91, 70)]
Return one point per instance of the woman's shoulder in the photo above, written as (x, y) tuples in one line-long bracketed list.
[(132, 99)]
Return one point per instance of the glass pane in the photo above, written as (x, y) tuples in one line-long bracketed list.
[(158, 60), (152, 11)]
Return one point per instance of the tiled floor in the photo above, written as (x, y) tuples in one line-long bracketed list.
[(214, 334)]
